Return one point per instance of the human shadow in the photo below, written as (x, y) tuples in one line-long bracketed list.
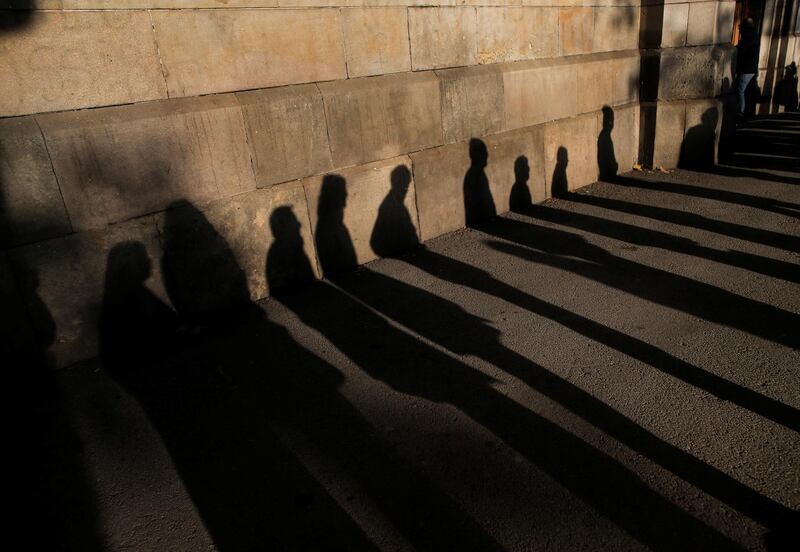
[(698, 149), (559, 184), (288, 267), (415, 368), (394, 231), (479, 204), (571, 252), (332, 239), (691, 220), (212, 392), (520, 197), (427, 517), (606, 158), (54, 506)]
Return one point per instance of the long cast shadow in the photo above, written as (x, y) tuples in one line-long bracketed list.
[(340, 314), (653, 238)]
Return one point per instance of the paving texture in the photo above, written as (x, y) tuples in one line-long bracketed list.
[(614, 369)]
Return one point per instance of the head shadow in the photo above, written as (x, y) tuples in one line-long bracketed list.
[(335, 249), (479, 204), (394, 231), (698, 149), (520, 198), (288, 267), (606, 158), (559, 186)]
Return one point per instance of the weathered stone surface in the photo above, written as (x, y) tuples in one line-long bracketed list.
[(366, 188), (439, 179), (68, 60), (689, 72), (516, 160), (381, 117), (472, 101), (595, 85), (670, 118), (701, 133), (120, 162), (702, 24), (442, 37), (164, 4), (65, 278), (570, 147), (576, 27), (287, 133), (241, 229), (624, 136), (31, 207), (376, 41), (538, 92), (516, 33), (723, 32), (207, 51), (616, 28), (675, 23), (625, 75)]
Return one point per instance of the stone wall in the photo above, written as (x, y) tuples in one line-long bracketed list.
[(125, 119)]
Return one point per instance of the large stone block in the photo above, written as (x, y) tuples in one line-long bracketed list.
[(516, 168), (675, 24), (63, 283), (236, 235), (616, 28), (689, 72), (570, 147), (206, 51), (617, 139), (576, 28), (439, 178), (670, 120), (121, 162), (69, 60), (362, 212), (536, 92), (163, 4), (723, 32), (381, 117), (702, 23), (472, 101), (442, 37), (31, 207), (287, 132), (516, 33), (595, 84), (626, 79), (376, 41)]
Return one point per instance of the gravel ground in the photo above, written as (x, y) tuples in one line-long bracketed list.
[(614, 369)]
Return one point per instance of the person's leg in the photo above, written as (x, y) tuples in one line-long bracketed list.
[(741, 85)]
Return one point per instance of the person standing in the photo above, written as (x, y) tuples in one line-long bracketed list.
[(746, 60)]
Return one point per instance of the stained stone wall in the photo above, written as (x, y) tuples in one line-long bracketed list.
[(121, 118)]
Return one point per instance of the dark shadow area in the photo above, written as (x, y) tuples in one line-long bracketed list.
[(55, 504), (346, 315), (559, 185), (736, 198), (692, 220), (334, 246), (288, 267), (394, 231), (653, 238), (786, 89), (520, 197), (698, 149), (571, 252), (479, 204), (606, 158), (19, 15)]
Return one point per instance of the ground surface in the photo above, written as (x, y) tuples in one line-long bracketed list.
[(617, 369)]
